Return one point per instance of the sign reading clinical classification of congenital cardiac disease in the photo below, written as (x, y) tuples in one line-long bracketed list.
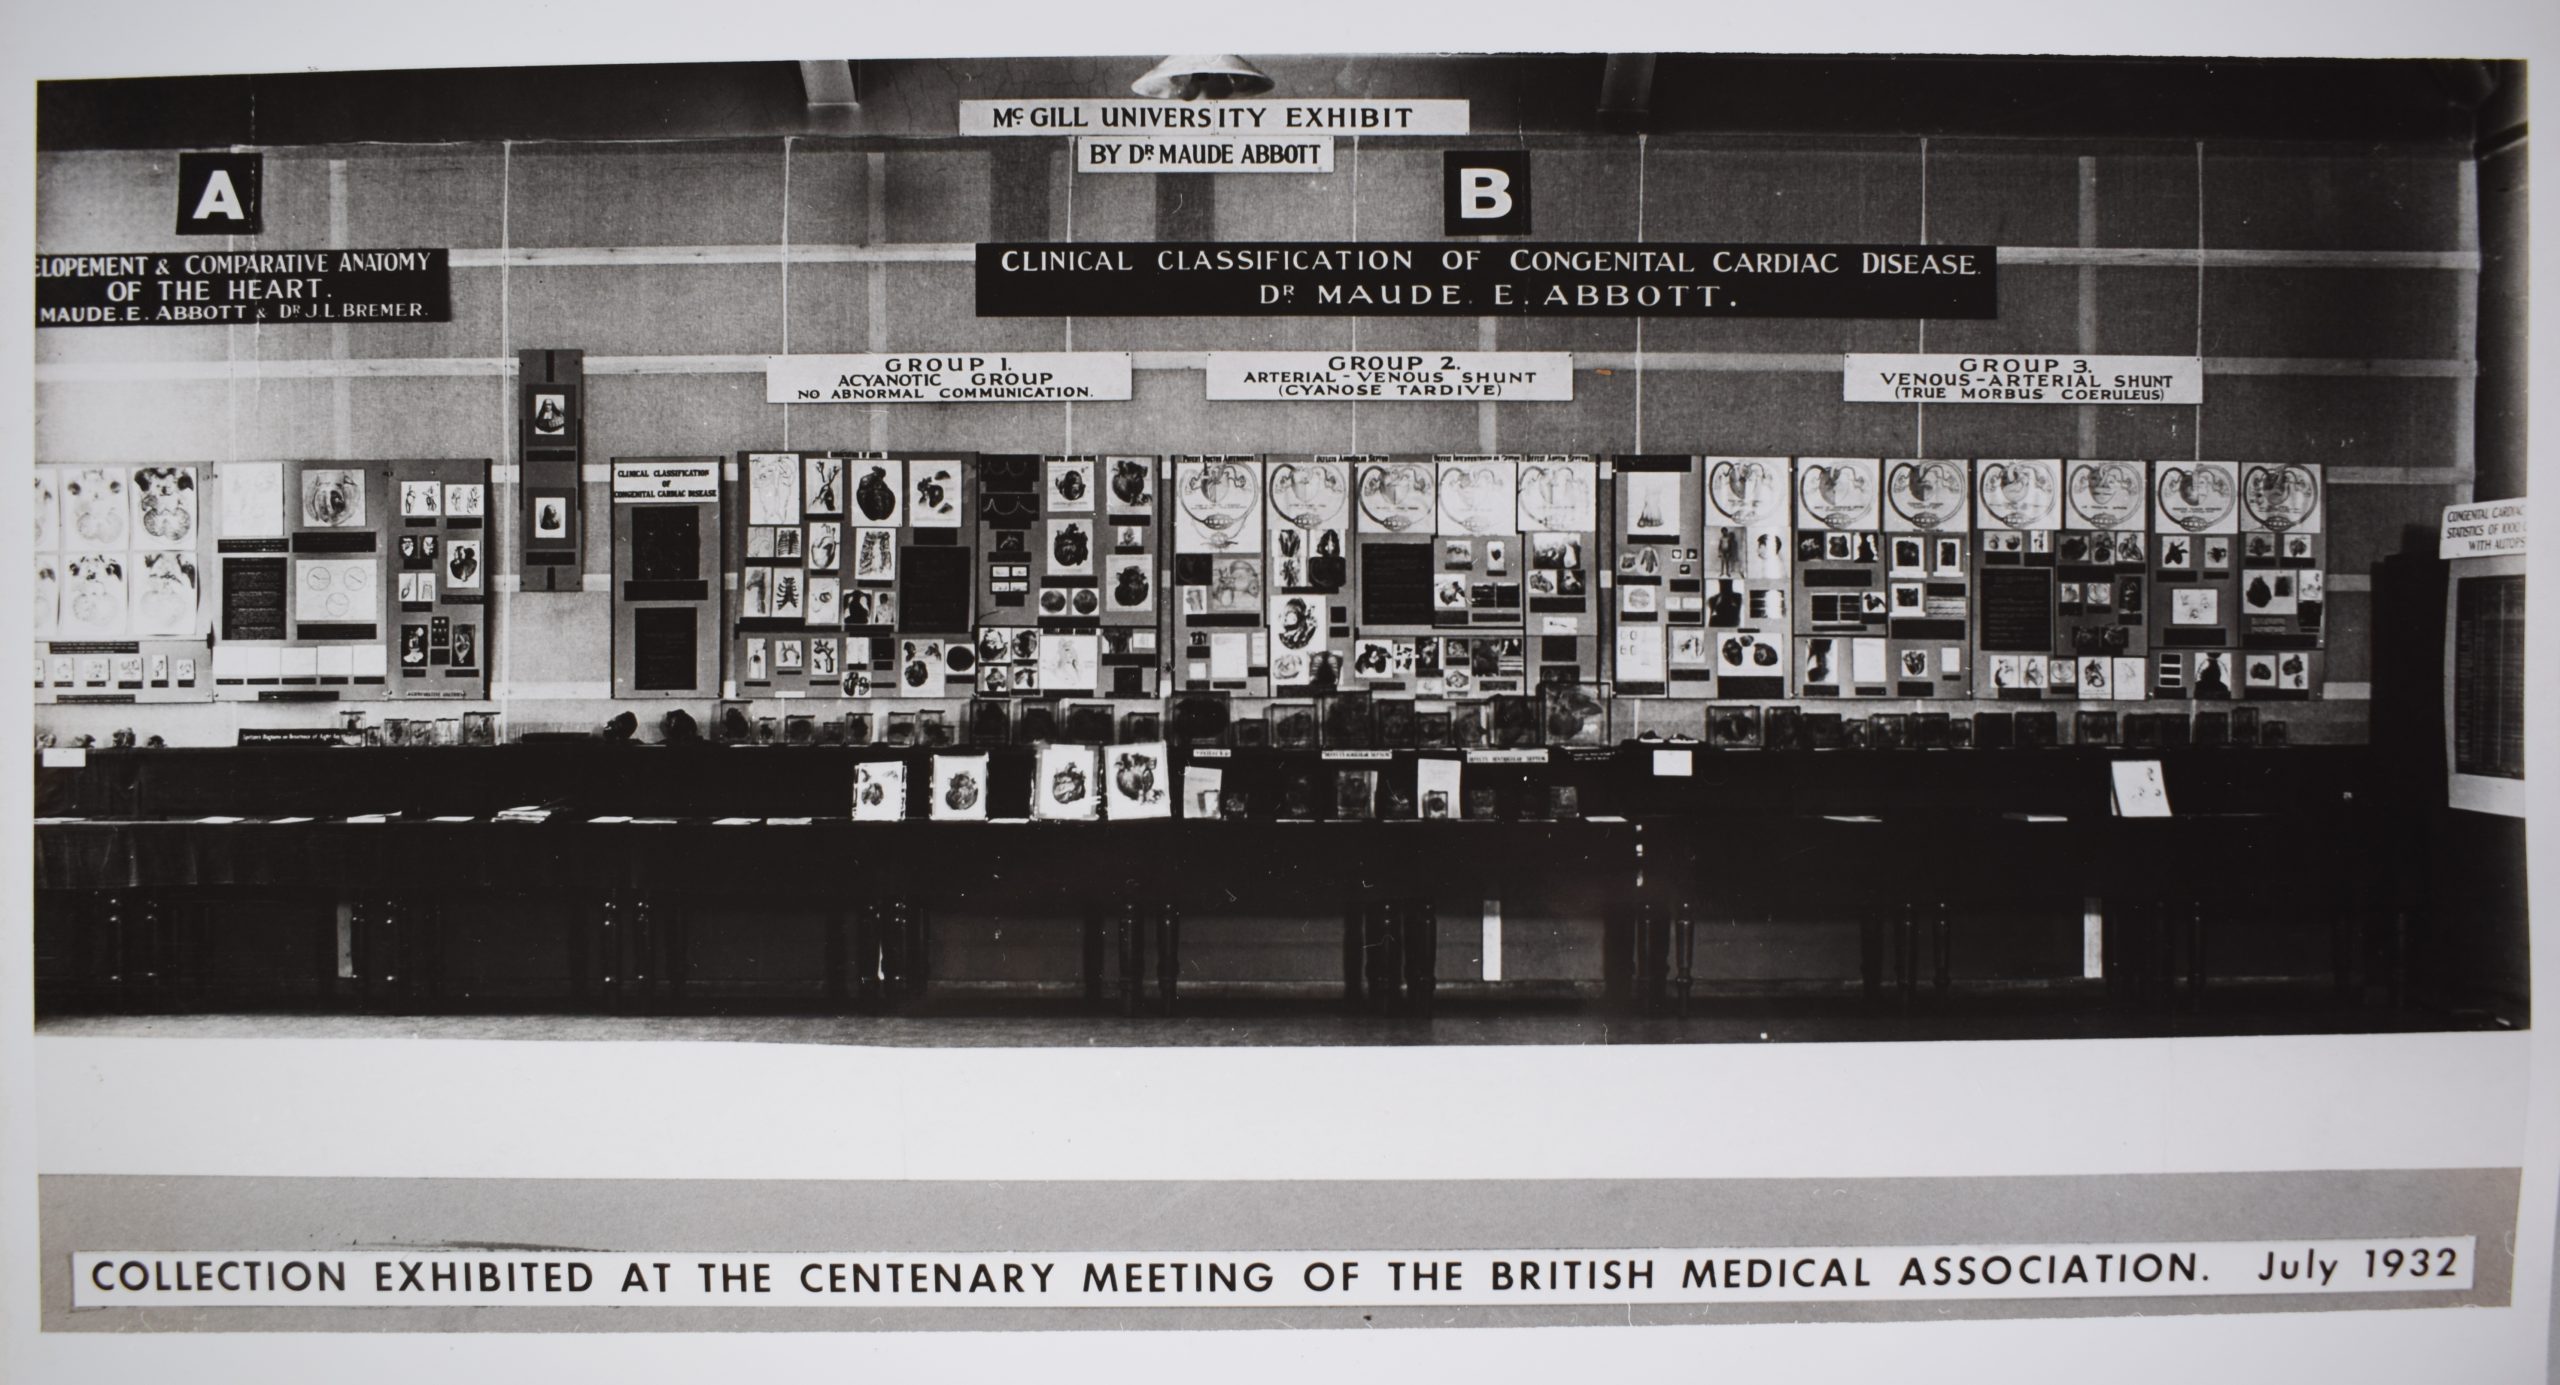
[(1124, 116), (1442, 279), (1391, 375), (1204, 154), (948, 377), (2021, 379), (2488, 529), (201, 1279), (666, 481)]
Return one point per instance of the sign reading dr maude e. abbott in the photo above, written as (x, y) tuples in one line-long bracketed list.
[(1436, 279), (166, 288)]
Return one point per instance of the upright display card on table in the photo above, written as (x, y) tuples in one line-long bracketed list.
[(1063, 784), (2283, 584), (2194, 602), (879, 791), (1749, 552), (1139, 781), (1221, 643), (1928, 513), (1658, 551), (959, 788), (1843, 587)]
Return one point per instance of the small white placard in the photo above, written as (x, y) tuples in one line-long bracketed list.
[(2021, 379), (948, 377), (1391, 376), (2488, 529), (1671, 764), (65, 757), (2138, 789)]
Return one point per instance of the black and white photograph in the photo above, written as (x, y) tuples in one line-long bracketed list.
[(1568, 910)]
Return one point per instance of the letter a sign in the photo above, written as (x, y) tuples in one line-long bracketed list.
[(218, 194), (1484, 192)]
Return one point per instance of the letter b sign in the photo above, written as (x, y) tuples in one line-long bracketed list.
[(1485, 193)]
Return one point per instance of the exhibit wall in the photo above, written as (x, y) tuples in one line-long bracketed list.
[(2330, 288)]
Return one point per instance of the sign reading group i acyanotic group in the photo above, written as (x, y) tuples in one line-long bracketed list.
[(948, 377), (1430, 278)]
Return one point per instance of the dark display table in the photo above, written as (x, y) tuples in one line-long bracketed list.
[(147, 899)]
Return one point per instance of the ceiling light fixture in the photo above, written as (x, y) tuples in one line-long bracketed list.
[(1202, 77)]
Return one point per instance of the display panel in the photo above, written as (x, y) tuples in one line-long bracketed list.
[(121, 584), (439, 541), (667, 539), (1068, 575), (1657, 546), (1559, 512), (1843, 591), (1928, 513), (355, 580), (2194, 610), (1749, 548), (1218, 633), (1308, 553), (2283, 580), (2018, 512), (855, 575), (2103, 595)]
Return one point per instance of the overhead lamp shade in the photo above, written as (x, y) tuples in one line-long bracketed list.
[(1202, 77)]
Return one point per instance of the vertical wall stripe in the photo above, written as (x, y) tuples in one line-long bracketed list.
[(2466, 310), (342, 427), (786, 278), (1355, 239), (1067, 178), (2199, 406), (502, 498), (875, 229), (1920, 411), (2088, 413), (1641, 147)]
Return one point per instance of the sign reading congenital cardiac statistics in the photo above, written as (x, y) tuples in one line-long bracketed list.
[(1123, 116), (949, 377), (1899, 379), (2489, 529), (1391, 375), (1205, 154)]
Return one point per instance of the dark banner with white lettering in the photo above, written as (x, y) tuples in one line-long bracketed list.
[(182, 288), (1439, 279)]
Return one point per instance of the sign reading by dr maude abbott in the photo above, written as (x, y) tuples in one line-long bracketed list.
[(179, 288), (1435, 279)]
